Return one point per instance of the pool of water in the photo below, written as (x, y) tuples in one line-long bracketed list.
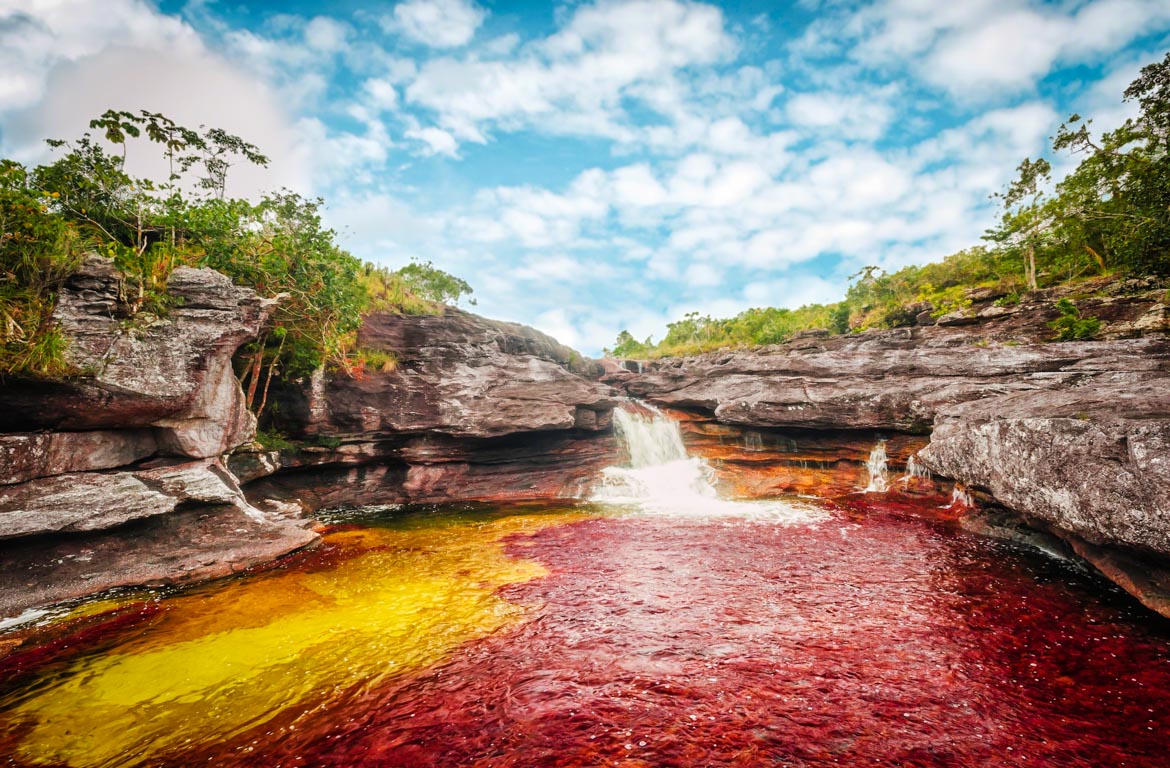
[(524, 636)]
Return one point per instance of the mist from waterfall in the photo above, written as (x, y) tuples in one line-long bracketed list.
[(663, 479)]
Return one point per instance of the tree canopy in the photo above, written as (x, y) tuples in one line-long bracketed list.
[(85, 201)]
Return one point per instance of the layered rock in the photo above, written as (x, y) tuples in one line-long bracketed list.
[(170, 375), (1073, 437), (473, 409), (132, 441)]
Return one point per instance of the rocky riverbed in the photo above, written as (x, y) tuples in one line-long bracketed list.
[(141, 469)]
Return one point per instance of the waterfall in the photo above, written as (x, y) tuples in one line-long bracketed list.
[(961, 498), (914, 471), (753, 441), (663, 479), (879, 474)]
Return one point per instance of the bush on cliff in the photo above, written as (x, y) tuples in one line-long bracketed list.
[(85, 201)]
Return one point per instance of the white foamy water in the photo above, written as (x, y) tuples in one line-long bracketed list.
[(662, 479), (879, 474)]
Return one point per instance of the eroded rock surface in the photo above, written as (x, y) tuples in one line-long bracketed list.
[(1073, 437), (474, 409), (171, 375), (113, 476), (463, 375)]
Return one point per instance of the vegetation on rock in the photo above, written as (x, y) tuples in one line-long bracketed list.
[(85, 201), (1109, 216)]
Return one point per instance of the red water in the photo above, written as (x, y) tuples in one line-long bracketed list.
[(883, 640)]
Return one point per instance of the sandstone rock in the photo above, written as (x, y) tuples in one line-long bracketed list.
[(1095, 464), (958, 317), (25, 456), (185, 546), (173, 374), (460, 374), (90, 501)]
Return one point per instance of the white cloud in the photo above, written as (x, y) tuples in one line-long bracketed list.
[(850, 115), (326, 35), (437, 23), (192, 87), (573, 81), (436, 141), (36, 37)]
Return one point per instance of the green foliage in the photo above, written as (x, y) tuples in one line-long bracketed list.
[(695, 334), (37, 252), (627, 346), (1070, 326), (84, 200), (329, 442), (376, 360), (272, 440), (428, 282)]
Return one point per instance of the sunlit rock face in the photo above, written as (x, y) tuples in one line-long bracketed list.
[(114, 476), (1073, 437), (171, 375), (473, 409)]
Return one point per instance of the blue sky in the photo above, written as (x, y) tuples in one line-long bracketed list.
[(594, 166)]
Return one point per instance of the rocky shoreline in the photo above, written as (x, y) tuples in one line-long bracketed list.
[(1069, 438), (142, 470)]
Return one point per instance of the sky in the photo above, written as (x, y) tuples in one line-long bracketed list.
[(595, 166)]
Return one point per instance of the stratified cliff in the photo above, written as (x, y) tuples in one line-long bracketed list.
[(1073, 437), (115, 475), (474, 409)]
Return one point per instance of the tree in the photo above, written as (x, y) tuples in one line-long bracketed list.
[(1027, 217)]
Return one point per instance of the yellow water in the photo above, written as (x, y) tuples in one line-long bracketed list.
[(227, 659)]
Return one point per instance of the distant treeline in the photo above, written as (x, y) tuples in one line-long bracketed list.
[(1111, 215)]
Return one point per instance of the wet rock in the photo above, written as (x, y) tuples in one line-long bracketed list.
[(185, 546)]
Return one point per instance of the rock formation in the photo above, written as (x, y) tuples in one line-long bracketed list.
[(125, 455), (1073, 437), (473, 409)]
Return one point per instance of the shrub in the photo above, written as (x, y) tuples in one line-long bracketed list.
[(1070, 326)]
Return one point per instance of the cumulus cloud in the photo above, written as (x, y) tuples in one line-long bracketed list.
[(573, 82), (437, 23)]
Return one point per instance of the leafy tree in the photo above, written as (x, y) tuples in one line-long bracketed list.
[(433, 284), (85, 200), (1027, 216)]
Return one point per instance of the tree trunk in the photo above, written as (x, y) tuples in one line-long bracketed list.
[(254, 371), (1030, 268)]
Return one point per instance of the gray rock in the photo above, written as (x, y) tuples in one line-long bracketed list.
[(173, 374), (90, 501), (460, 374), (25, 456)]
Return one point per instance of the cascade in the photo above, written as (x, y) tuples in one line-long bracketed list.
[(961, 497), (663, 479), (914, 471), (879, 475)]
